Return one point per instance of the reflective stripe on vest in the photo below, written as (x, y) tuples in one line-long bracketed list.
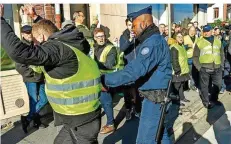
[(74, 100), (182, 58), (79, 93), (209, 53), (73, 86), (188, 41)]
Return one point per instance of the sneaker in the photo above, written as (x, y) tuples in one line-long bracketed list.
[(107, 129), (222, 91), (128, 114)]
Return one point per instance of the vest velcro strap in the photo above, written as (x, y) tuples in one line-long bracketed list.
[(73, 86), (73, 100)]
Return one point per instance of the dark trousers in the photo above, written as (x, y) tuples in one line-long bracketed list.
[(179, 89), (132, 98), (216, 79), (86, 133), (195, 76)]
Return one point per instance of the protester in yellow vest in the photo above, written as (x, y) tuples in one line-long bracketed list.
[(72, 78), (189, 42), (180, 67), (105, 54), (208, 58)]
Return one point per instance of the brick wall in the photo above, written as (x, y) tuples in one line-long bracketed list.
[(46, 11)]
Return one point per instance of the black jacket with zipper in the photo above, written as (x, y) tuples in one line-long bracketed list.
[(28, 74), (58, 60)]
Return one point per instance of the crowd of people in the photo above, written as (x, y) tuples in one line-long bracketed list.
[(83, 70)]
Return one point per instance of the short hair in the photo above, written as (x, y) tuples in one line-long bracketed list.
[(76, 14), (177, 26), (97, 30), (184, 32), (161, 24), (216, 29), (196, 22), (175, 35), (127, 20), (45, 27)]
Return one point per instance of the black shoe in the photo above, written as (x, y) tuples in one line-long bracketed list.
[(185, 100), (209, 105), (128, 114), (218, 103), (25, 123), (38, 123)]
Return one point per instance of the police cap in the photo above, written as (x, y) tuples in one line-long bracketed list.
[(134, 15), (26, 29), (207, 28)]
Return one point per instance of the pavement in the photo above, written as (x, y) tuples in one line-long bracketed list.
[(190, 124)]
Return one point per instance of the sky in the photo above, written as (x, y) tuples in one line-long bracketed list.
[(181, 11)]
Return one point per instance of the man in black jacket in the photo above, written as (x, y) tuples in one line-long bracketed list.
[(34, 83), (127, 46), (60, 62)]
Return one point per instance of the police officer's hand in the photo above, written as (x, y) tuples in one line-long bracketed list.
[(1, 10)]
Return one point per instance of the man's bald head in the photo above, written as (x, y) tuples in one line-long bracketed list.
[(141, 23)]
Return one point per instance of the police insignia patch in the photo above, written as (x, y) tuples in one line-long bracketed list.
[(145, 51)]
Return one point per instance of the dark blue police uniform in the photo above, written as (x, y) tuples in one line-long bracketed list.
[(151, 70)]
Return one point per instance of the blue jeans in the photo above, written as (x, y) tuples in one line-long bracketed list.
[(148, 124), (35, 89), (106, 102)]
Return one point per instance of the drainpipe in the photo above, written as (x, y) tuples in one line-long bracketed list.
[(57, 16), (169, 20)]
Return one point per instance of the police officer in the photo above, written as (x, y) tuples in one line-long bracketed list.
[(72, 78), (151, 70), (35, 86), (105, 54), (208, 59)]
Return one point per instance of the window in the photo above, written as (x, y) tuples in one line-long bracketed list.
[(216, 13)]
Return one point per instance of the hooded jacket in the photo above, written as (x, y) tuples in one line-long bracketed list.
[(58, 60), (28, 74)]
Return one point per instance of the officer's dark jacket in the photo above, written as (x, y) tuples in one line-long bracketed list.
[(27, 73), (196, 55), (152, 67), (58, 60), (176, 67), (111, 59), (126, 46)]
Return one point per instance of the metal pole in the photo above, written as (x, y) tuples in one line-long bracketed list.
[(169, 21)]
